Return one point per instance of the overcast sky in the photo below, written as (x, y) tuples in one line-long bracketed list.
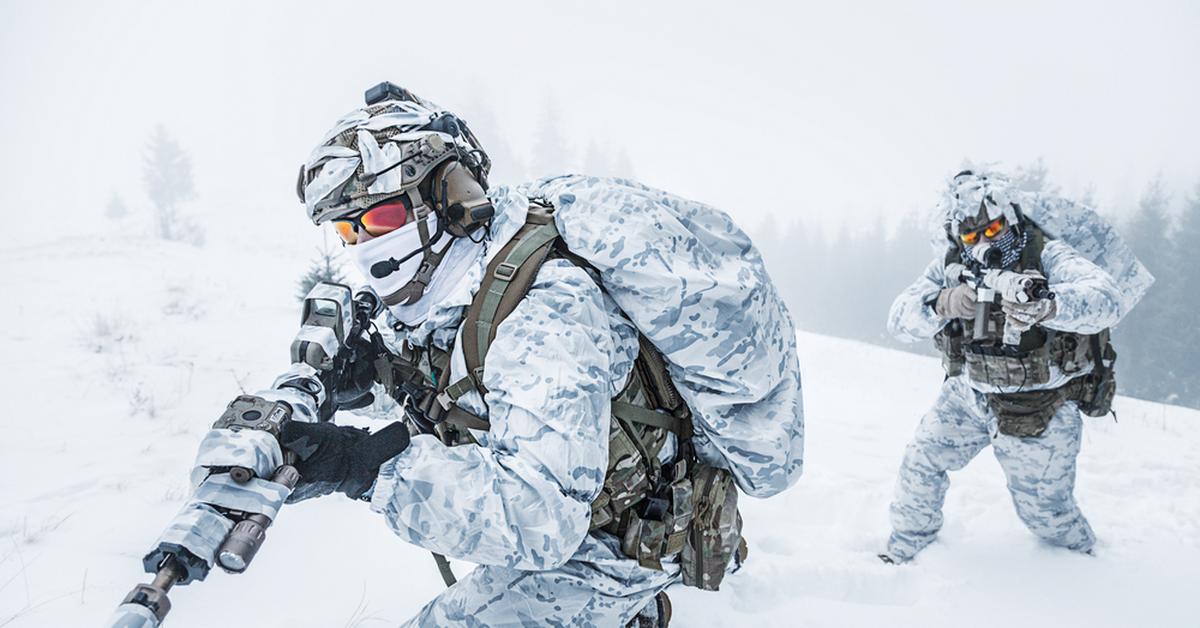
[(833, 114)]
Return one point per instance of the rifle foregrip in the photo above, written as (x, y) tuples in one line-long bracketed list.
[(982, 314)]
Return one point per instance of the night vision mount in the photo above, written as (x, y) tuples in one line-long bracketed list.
[(386, 90)]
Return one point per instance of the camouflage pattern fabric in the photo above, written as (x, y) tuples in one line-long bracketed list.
[(694, 284), (522, 498), (1087, 301), (257, 496), (605, 589), (711, 543), (198, 528), (1071, 222), (132, 616), (252, 449), (1040, 471), (519, 502)]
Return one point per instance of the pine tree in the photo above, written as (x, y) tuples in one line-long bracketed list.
[(1144, 340), (1035, 177), (551, 152), (167, 171), (595, 161), (324, 267), (115, 210), (622, 166), (1181, 292), (506, 167), (907, 254)]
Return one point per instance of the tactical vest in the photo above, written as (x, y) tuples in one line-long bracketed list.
[(989, 361), (685, 508)]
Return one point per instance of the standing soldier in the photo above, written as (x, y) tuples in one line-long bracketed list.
[(1019, 300)]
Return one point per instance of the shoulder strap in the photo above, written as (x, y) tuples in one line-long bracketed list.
[(506, 281)]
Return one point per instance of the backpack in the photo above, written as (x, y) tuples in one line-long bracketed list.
[(688, 508)]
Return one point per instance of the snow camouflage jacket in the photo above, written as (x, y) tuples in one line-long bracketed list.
[(1093, 273), (521, 498)]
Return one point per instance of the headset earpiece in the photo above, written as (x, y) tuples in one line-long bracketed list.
[(461, 198)]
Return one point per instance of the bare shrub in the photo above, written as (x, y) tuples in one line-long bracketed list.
[(141, 402), (104, 332)]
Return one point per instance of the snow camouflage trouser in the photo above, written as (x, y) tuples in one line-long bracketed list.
[(1040, 471), (596, 591)]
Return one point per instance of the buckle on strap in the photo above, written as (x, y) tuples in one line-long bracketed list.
[(505, 271)]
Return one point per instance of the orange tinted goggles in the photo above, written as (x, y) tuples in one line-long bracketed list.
[(992, 230), (379, 220)]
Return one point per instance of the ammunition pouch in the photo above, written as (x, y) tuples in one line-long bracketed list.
[(1004, 366), (1094, 392), (1071, 352), (658, 527), (715, 537), (1028, 413), (686, 509)]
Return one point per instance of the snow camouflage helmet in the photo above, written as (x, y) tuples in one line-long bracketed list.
[(388, 148), (400, 145), (978, 195)]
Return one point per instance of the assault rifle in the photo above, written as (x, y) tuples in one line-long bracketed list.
[(993, 285), (337, 343)]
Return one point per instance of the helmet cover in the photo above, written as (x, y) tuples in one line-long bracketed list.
[(381, 151)]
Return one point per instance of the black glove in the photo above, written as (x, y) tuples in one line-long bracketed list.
[(338, 457)]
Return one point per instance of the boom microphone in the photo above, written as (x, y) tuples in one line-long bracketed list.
[(379, 270)]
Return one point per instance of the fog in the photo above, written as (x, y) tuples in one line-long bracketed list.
[(827, 131), (836, 114)]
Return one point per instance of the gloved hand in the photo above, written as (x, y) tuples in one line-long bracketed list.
[(956, 302), (1022, 316), (338, 457)]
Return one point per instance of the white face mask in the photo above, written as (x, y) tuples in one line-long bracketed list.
[(397, 245)]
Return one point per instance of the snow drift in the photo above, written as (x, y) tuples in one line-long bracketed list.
[(109, 386)]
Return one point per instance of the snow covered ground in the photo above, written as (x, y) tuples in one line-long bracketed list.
[(119, 352)]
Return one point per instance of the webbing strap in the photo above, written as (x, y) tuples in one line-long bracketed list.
[(502, 278), (506, 281), (459, 417), (638, 414), (456, 390)]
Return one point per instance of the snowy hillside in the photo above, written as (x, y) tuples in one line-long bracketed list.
[(119, 353)]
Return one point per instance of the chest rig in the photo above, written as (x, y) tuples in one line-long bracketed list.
[(1028, 362), (658, 510)]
